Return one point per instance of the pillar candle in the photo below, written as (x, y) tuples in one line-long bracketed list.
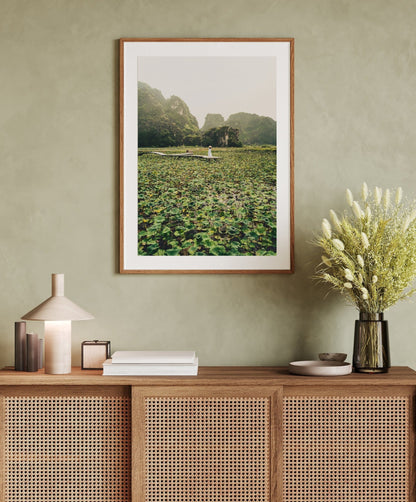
[(20, 346), (32, 340), (40, 364)]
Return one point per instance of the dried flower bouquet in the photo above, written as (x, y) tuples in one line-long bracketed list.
[(370, 251)]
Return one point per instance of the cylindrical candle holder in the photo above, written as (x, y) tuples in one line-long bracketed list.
[(20, 346), (32, 340)]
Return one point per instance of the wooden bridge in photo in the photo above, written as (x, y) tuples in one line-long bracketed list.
[(180, 155)]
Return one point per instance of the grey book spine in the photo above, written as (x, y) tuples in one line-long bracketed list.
[(20, 357), (32, 351)]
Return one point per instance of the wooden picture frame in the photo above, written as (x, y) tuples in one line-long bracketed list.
[(187, 208)]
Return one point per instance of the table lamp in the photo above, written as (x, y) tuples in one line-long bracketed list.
[(57, 312)]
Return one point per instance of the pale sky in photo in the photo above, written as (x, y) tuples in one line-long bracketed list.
[(224, 85)]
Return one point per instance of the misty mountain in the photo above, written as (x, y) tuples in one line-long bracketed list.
[(169, 122), (212, 120), (254, 129), (164, 122)]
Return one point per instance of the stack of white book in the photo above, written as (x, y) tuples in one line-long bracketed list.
[(139, 362)]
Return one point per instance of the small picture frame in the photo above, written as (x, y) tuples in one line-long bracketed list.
[(94, 353)]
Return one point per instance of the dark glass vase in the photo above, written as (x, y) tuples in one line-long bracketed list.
[(371, 344)]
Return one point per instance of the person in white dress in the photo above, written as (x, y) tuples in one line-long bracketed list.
[(209, 152)]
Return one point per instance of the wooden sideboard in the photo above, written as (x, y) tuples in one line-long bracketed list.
[(230, 434)]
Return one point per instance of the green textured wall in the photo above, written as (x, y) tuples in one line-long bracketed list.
[(355, 120)]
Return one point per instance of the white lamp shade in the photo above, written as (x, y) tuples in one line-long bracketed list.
[(57, 307)]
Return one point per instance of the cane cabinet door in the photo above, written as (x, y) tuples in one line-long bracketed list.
[(65, 444), (350, 445), (203, 444)]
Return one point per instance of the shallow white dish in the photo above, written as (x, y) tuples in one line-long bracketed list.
[(320, 368)]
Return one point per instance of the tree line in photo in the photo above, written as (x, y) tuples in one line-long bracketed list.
[(169, 122)]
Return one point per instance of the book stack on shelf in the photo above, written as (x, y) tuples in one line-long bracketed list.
[(138, 362)]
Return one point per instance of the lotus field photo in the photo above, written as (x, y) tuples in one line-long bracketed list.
[(206, 182)]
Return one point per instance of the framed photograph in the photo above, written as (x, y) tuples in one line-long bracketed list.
[(206, 155)]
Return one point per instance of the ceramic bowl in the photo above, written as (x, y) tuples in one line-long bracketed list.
[(332, 356), (320, 368)]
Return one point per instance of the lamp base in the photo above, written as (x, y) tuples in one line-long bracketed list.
[(57, 347)]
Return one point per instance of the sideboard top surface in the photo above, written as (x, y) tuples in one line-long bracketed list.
[(210, 375)]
